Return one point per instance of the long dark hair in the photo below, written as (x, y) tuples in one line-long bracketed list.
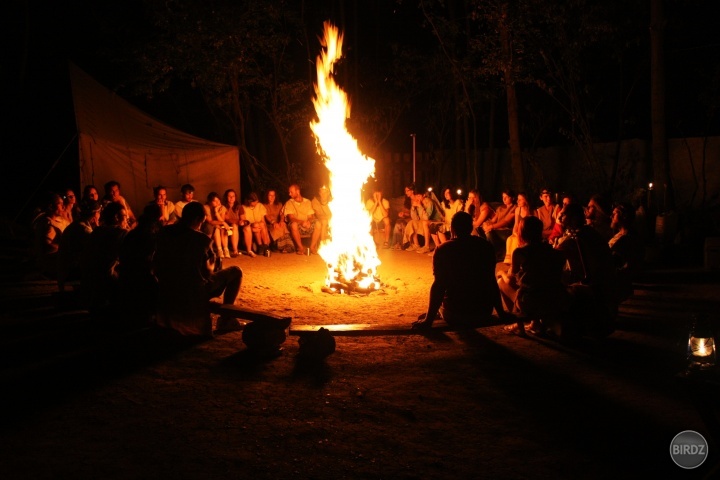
[(251, 197), (277, 200), (453, 196), (408, 200), (236, 206)]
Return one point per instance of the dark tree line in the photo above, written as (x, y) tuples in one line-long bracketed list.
[(464, 75)]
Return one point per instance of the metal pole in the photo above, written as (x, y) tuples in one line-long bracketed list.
[(413, 137)]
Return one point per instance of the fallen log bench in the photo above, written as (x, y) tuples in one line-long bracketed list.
[(261, 318), (264, 334), (366, 329)]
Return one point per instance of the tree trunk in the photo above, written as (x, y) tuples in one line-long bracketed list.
[(513, 118), (661, 166)]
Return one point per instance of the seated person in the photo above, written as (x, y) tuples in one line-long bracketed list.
[(521, 211), (70, 205), (626, 249), (321, 207), (479, 210), (450, 204), (464, 290), (403, 217), (301, 220), (74, 241), (597, 215), (166, 206), (99, 277), (187, 192), (235, 220), (499, 227), (136, 279), (183, 265), (379, 209), (532, 288), (547, 213), (48, 228), (90, 193), (215, 225), (255, 228), (112, 194), (590, 276), (422, 212), (558, 230), (275, 221)]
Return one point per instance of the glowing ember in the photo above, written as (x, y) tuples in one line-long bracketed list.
[(350, 253)]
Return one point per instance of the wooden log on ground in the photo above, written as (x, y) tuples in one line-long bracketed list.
[(365, 329), (261, 318)]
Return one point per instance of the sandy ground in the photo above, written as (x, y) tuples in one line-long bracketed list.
[(83, 400)]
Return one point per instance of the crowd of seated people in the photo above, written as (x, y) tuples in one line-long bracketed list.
[(562, 267), (112, 263), (101, 245)]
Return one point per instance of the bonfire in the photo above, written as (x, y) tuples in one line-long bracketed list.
[(350, 253)]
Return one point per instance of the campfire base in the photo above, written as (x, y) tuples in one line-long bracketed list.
[(349, 288)]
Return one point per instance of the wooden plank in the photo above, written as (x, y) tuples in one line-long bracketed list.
[(366, 329), (252, 315)]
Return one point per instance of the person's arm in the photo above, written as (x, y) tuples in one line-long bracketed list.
[(271, 219), (458, 207), (507, 219), (381, 204), (427, 209), (485, 213), (172, 218), (211, 216), (262, 213), (292, 217), (437, 292), (517, 222), (242, 219), (414, 212), (49, 238), (209, 264), (385, 207), (131, 216), (221, 213)]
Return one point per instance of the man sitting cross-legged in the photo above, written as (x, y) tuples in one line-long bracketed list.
[(183, 265), (301, 220), (464, 285)]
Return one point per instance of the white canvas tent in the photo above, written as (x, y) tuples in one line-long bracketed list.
[(118, 141)]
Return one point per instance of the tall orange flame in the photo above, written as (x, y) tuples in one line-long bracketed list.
[(350, 254)]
